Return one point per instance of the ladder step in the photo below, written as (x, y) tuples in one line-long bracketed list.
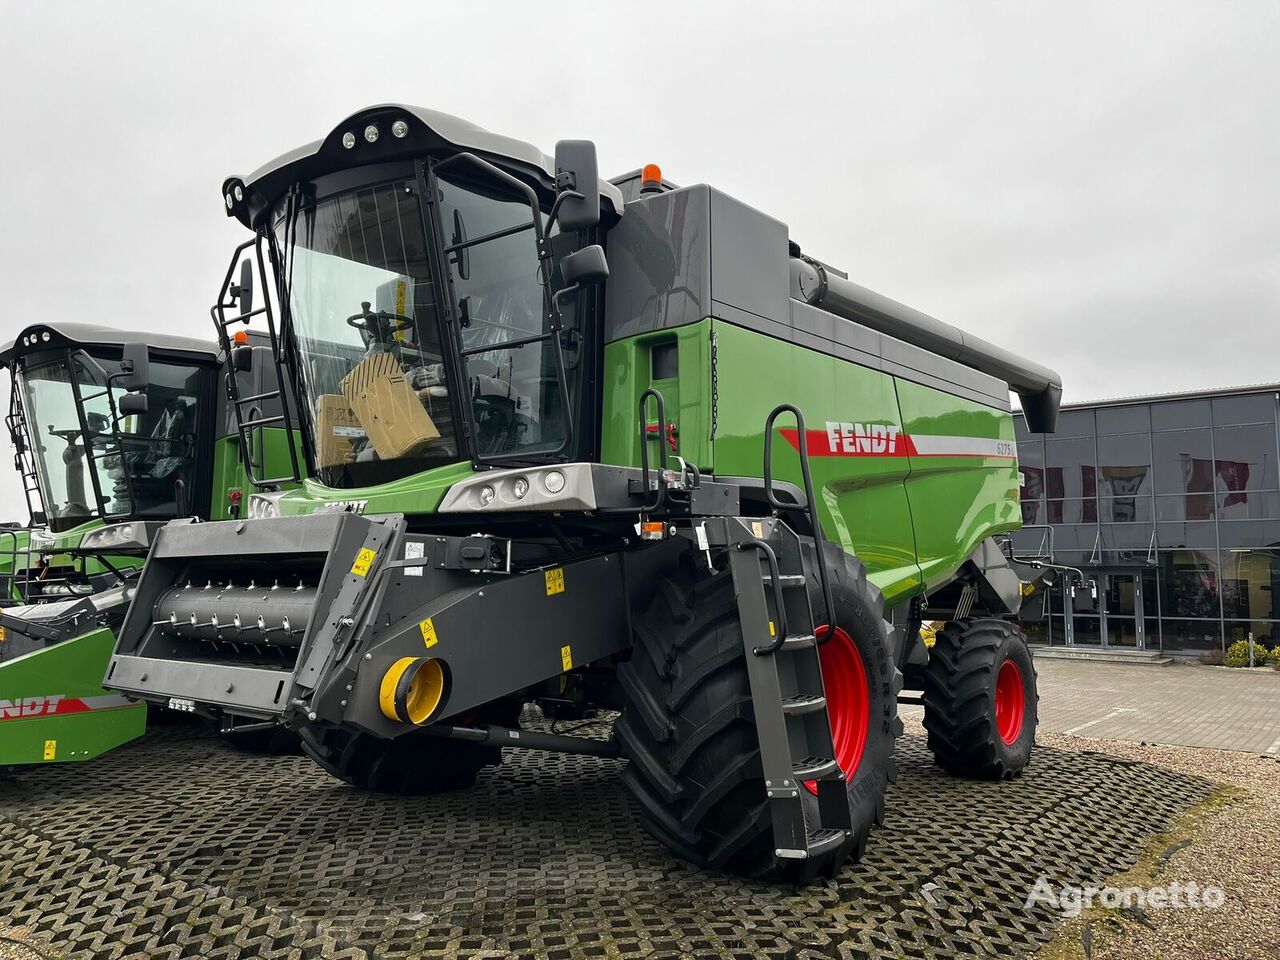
[(787, 580), (814, 768), (821, 841), (795, 706), (799, 641)]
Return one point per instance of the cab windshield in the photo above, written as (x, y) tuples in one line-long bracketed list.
[(367, 320), (87, 470)]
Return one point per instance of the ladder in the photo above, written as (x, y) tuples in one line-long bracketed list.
[(769, 564)]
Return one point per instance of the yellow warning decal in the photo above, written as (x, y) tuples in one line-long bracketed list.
[(51, 749), (3, 635), (566, 657), (1028, 588), (364, 560), (773, 631), (428, 632), (555, 584)]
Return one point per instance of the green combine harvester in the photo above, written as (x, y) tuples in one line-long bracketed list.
[(113, 437), (596, 445)]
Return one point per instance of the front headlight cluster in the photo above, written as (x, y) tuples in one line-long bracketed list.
[(116, 536), (564, 487)]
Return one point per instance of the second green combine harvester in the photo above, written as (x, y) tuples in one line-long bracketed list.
[(593, 444)]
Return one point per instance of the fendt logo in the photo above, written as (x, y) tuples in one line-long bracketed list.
[(30, 707), (871, 438)]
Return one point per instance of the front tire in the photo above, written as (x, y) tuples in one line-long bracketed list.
[(688, 725), (413, 764), (980, 699)]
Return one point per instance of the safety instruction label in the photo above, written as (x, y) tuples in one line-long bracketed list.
[(414, 551), (51, 749), (555, 582), (428, 632), (364, 560), (566, 657)]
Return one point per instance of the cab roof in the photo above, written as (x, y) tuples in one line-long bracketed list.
[(427, 130), (65, 334)]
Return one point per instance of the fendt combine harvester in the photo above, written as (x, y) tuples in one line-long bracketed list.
[(597, 445), (114, 434)]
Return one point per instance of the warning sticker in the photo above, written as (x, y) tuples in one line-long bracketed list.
[(51, 749), (414, 551), (364, 560), (3, 636), (428, 632), (555, 583), (566, 657)]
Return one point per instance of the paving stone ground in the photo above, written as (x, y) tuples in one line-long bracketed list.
[(179, 846), (1183, 704)]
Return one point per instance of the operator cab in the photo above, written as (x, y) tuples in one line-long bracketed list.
[(435, 290), (105, 429)]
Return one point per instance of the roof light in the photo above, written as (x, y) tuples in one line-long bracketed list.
[(348, 139), (399, 129), (241, 338), (45, 336), (650, 178), (371, 133), (239, 192), (230, 202)]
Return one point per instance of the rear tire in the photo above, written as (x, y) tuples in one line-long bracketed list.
[(688, 728), (980, 699), (413, 764)]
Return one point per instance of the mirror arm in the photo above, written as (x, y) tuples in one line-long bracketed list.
[(561, 197)]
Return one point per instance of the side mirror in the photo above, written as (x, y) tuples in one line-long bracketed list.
[(135, 371), (243, 292), (133, 403), (577, 184), (242, 358), (585, 266)]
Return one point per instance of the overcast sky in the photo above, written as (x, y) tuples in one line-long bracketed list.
[(1096, 185)]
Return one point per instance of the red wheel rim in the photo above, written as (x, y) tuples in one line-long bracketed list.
[(844, 677), (1010, 702)]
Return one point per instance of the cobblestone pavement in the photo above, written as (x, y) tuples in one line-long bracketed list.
[(178, 846), (1186, 704)]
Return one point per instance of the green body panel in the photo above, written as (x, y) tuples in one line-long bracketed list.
[(13, 552), (229, 473), (627, 367), (913, 520), (957, 502), (420, 493), (64, 677)]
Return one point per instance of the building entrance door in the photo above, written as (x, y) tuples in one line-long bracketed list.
[(1122, 620)]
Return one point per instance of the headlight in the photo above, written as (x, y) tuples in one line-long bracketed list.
[(487, 493), (399, 129), (348, 139), (519, 487), (553, 481)]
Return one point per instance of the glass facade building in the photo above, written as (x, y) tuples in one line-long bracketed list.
[(1171, 507)]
